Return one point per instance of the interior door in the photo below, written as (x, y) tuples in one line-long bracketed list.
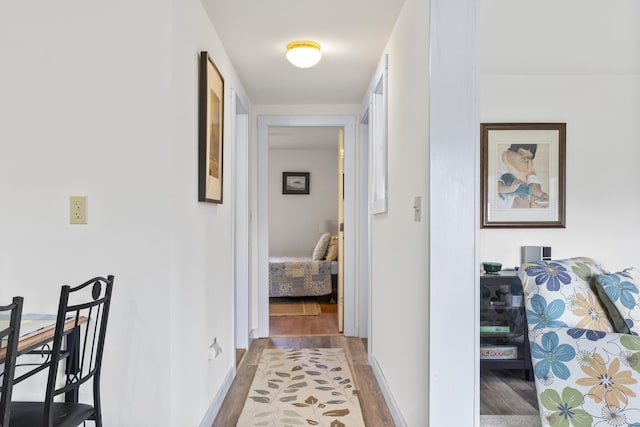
[(341, 230)]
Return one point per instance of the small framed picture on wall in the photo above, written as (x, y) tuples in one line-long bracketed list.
[(295, 182)]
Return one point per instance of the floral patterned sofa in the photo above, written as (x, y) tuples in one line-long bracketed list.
[(584, 326)]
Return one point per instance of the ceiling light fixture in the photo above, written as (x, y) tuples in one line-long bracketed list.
[(303, 54)]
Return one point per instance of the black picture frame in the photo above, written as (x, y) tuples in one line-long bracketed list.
[(210, 131), (295, 182)]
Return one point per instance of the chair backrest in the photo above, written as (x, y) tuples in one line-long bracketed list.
[(8, 348), (86, 308)]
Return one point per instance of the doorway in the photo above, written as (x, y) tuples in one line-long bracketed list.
[(303, 294), (347, 124)]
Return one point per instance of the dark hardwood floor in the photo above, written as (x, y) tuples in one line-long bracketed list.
[(506, 392), (319, 331), (326, 323), (502, 392)]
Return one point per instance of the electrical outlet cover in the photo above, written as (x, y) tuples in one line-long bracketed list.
[(78, 210)]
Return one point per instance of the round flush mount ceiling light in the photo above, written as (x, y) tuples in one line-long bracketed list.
[(303, 54)]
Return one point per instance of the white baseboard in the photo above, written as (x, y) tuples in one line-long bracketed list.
[(215, 406), (388, 396), (253, 334)]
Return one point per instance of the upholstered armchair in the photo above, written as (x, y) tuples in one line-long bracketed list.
[(583, 331)]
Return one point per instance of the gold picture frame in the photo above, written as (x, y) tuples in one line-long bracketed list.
[(210, 130), (522, 175)]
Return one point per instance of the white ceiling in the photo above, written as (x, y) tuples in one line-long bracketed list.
[(352, 34), (516, 37)]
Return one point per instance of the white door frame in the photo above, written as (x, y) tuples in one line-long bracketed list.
[(240, 220), (372, 115), (454, 126), (348, 123), (363, 267)]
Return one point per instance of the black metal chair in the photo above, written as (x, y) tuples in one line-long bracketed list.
[(86, 309), (8, 348)]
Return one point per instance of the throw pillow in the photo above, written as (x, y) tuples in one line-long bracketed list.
[(558, 293), (619, 292), (321, 247), (332, 250)]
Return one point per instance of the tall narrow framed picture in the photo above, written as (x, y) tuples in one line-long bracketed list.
[(522, 175), (210, 131)]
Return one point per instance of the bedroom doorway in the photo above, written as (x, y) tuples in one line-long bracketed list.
[(304, 289), (265, 181)]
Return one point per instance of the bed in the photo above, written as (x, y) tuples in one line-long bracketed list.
[(300, 276), (306, 276)]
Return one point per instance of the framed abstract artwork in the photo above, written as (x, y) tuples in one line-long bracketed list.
[(522, 175), (295, 182), (210, 131)]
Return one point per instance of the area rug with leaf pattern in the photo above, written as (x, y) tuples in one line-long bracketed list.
[(305, 387)]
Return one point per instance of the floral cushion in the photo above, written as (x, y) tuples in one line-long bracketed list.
[(558, 293), (619, 293), (584, 380)]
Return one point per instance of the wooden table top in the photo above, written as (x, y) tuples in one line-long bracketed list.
[(33, 339)]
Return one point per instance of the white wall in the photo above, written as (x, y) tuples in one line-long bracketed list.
[(603, 143), (100, 100), (589, 79), (400, 254), (201, 304), (295, 220), (85, 108)]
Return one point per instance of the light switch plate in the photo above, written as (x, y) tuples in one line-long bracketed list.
[(417, 201)]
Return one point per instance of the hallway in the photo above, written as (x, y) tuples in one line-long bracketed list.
[(373, 405)]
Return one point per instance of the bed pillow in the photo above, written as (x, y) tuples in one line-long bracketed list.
[(619, 292), (321, 247), (332, 250)]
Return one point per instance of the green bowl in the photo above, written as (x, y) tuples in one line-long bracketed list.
[(491, 267)]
